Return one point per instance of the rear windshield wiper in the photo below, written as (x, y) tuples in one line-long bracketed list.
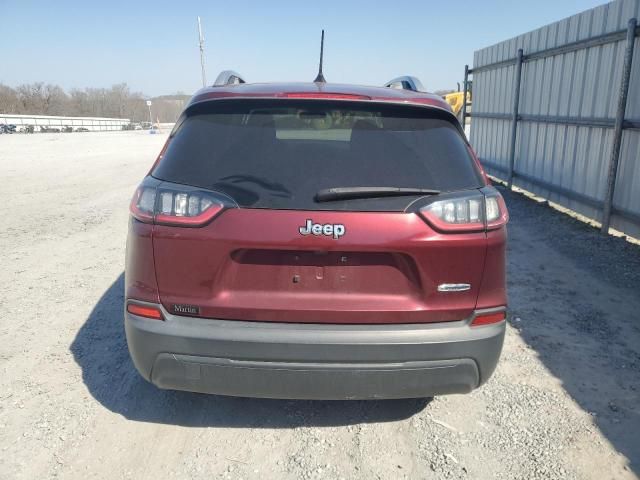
[(346, 193)]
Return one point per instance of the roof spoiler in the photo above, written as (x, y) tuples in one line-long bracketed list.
[(406, 83), (228, 77)]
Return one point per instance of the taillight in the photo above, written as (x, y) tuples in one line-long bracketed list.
[(143, 204), (176, 205), (496, 214), (145, 311), (471, 211), (462, 213), (325, 95), (188, 209)]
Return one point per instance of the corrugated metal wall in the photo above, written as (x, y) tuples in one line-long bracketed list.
[(582, 84)]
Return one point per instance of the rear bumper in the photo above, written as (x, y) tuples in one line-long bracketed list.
[(313, 361)]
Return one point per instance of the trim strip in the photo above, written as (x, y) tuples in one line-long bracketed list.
[(454, 287)]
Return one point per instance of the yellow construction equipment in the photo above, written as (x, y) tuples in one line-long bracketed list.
[(455, 100)]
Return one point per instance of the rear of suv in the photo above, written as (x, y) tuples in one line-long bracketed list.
[(316, 241)]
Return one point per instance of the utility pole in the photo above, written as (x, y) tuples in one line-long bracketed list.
[(204, 77), (150, 117)]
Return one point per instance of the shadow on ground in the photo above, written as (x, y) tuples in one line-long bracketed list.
[(101, 351), (573, 296)]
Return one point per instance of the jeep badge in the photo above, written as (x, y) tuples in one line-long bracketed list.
[(330, 230)]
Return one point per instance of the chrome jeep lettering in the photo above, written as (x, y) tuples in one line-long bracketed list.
[(328, 229)]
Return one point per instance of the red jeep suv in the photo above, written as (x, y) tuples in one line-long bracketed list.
[(316, 241)]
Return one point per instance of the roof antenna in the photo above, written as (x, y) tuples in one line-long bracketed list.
[(320, 77)]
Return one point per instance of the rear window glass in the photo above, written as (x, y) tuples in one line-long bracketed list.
[(278, 154)]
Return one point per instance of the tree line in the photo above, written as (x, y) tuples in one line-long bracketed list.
[(116, 102)]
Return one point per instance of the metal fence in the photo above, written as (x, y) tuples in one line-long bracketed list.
[(557, 112), (44, 122)]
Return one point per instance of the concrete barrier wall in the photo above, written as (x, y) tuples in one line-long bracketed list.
[(90, 123)]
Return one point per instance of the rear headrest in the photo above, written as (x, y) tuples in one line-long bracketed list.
[(260, 120), (265, 127), (360, 133)]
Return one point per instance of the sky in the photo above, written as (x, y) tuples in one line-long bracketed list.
[(153, 45)]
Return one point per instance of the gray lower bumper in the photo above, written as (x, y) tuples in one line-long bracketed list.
[(313, 361)]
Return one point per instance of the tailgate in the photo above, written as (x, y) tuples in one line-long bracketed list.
[(254, 264)]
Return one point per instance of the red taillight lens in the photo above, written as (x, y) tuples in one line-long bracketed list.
[(175, 206), (468, 212), (488, 318), (325, 95), (145, 311)]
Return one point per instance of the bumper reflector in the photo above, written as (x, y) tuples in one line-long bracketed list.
[(488, 318), (145, 311)]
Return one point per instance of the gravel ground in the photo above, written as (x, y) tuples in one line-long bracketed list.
[(563, 403)]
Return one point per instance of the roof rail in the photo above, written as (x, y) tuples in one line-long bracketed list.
[(228, 77), (406, 83)]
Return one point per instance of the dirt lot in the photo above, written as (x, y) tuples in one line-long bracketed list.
[(564, 402)]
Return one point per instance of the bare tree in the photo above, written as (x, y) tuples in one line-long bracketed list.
[(117, 102), (9, 102), (118, 96), (55, 101), (30, 97), (79, 103)]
